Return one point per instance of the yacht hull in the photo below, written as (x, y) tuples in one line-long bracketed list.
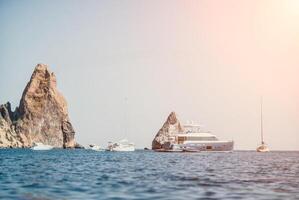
[(206, 146)]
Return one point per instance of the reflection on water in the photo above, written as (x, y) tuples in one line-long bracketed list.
[(85, 174)]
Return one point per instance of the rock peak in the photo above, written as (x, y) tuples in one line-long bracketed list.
[(172, 119), (169, 129), (42, 115), (41, 66), (42, 71)]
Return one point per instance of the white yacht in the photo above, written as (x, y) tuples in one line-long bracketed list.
[(195, 140), (41, 146), (122, 145)]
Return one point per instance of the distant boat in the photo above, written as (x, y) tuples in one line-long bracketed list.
[(95, 147), (41, 146), (263, 147), (122, 145)]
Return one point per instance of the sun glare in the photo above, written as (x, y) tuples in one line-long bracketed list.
[(291, 7)]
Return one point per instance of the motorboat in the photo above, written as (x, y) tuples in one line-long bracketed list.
[(193, 139), (95, 147), (123, 145), (41, 146)]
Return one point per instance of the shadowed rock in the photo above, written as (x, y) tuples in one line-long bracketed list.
[(170, 128), (42, 115)]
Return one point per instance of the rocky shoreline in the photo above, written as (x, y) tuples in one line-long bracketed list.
[(41, 116)]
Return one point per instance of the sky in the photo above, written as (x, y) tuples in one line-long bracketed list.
[(123, 66)]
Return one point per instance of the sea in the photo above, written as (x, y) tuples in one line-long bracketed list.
[(86, 174)]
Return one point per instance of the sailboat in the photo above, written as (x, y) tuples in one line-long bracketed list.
[(124, 144), (263, 147)]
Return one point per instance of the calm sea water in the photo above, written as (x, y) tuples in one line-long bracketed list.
[(86, 174)]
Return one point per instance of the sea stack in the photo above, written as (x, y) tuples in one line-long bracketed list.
[(170, 128), (42, 115)]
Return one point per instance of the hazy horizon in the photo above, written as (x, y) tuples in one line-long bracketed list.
[(123, 66)]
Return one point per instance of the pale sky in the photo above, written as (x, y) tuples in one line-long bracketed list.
[(123, 66)]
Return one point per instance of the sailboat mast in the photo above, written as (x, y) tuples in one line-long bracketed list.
[(262, 128), (126, 117)]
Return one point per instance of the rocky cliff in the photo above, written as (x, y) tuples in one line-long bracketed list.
[(42, 115), (8, 136), (170, 128)]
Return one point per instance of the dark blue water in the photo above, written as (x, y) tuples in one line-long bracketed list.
[(85, 174)]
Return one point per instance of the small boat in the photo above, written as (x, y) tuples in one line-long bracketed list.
[(263, 147), (95, 147), (122, 145), (41, 146)]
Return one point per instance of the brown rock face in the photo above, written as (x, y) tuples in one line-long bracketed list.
[(42, 115), (170, 128), (8, 137)]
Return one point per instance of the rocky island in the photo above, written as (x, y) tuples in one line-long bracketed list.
[(170, 128), (41, 116)]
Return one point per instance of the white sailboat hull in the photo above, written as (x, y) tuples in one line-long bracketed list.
[(262, 149)]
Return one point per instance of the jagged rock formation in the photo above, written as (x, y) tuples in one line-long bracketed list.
[(170, 128), (42, 115), (8, 136)]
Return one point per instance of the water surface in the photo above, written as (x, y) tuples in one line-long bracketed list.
[(86, 174)]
